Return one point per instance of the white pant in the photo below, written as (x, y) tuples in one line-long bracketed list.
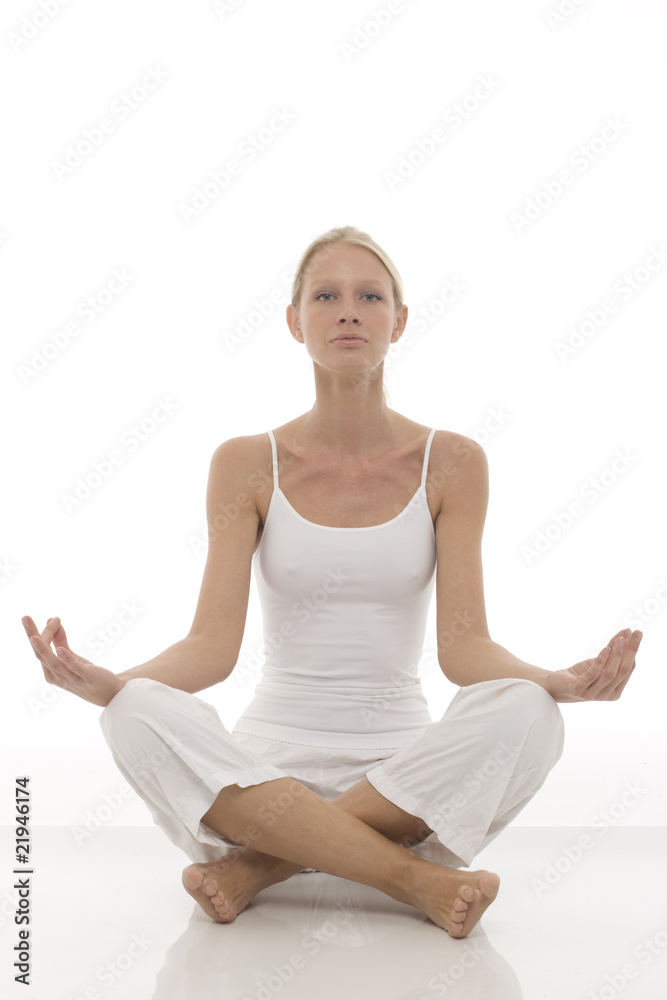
[(467, 775)]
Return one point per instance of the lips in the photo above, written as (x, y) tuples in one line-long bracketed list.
[(351, 337)]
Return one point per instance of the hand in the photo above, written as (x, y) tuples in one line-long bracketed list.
[(601, 678), (67, 669)]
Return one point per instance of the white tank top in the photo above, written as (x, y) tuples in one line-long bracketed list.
[(344, 613)]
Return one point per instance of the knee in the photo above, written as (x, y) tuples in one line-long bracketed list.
[(538, 712), (129, 701), (126, 716), (130, 730)]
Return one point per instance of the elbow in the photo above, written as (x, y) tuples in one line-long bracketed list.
[(454, 678), (453, 674), (460, 661)]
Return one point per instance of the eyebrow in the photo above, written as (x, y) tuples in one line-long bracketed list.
[(360, 281)]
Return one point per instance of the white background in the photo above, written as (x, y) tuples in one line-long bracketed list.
[(359, 104)]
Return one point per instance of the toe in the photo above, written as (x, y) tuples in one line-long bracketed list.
[(489, 885), (192, 877), (460, 904), (466, 893)]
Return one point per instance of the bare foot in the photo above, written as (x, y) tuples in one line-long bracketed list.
[(225, 886), (452, 899)]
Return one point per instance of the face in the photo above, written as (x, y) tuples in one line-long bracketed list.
[(347, 290)]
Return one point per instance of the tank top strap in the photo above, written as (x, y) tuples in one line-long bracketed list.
[(275, 459), (274, 454), (426, 454)]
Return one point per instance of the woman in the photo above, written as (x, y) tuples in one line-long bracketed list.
[(345, 512)]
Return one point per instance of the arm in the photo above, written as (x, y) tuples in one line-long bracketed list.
[(191, 664), (481, 659), (209, 652), (466, 652)]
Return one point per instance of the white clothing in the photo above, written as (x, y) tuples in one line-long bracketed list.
[(467, 775), (344, 613)]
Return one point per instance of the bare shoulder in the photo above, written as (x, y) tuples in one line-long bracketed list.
[(234, 455), (246, 464), (458, 470)]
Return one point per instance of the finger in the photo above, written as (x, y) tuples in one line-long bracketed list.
[(626, 666), (51, 675), (70, 661), (60, 637), (630, 637), (601, 673), (50, 629), (56, 666), (618, 690), (620, 664), (47, 634)]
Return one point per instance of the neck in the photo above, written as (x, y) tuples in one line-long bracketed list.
[(351, 424)]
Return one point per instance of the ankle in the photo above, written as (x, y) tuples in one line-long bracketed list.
[(405, 877), (276, 869)]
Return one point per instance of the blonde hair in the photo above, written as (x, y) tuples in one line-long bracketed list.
[(347, 235)]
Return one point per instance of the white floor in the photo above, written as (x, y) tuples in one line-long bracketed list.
[(574, 920)]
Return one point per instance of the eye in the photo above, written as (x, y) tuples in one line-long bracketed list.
[(365, 295)]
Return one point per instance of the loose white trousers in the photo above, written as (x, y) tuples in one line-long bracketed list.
[(467, 775)]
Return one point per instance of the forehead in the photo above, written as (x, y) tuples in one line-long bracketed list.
[(346, 261)]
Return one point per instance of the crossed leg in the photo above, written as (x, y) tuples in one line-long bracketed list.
[(359, 835)]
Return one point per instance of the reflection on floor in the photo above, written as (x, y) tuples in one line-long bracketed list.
[(581, 913)]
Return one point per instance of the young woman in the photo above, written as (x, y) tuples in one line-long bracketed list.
[(350, 514)]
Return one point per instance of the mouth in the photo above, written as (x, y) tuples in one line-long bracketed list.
[(352, 338)]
